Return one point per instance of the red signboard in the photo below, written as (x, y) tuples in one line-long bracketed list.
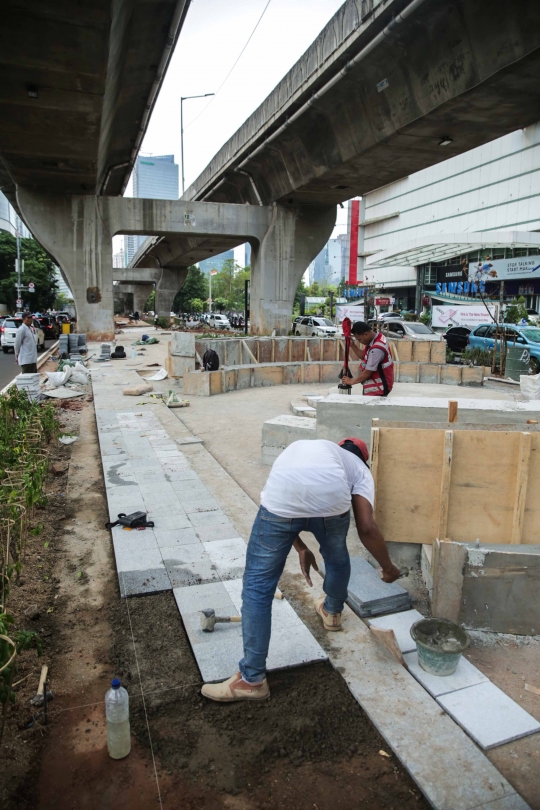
[(383, 302), (353, 252)]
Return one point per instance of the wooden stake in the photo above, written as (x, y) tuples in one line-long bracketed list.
[(452, 410), (522, 479), (374, 456), (445, 482)]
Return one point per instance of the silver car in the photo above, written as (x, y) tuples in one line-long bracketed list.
[(314, 326), (409, 329)]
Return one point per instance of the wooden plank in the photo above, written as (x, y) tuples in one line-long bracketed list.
[(452, 410), (509, 426), (481, 504), (521, 486), (531, 516), (445, 483), (408, 487), (248, 350), (374, 459)]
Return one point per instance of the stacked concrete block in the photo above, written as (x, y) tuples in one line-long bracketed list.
[(407, 372), (438, 351), (429, 373), (421, 351), (266, 375), (472, 375), (292, 373), (451, 375)]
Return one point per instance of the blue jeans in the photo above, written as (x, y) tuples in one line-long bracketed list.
[(269, 544)]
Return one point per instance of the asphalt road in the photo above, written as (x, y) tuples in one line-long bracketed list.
[(8, 367)]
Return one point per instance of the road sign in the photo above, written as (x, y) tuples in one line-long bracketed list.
[(31, 286), (18, 302)]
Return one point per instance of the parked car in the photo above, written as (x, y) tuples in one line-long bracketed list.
[(49, 326), (533, 315), (399, 328), (218, 321), (483, 337), (9, 333), (457, 338), (2, 319), (314, 326)]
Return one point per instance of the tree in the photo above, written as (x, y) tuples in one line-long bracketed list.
[(197, 306), (228, 285), (38, 267), (61, 301), (150, 305), (516, 311), (195, 287)]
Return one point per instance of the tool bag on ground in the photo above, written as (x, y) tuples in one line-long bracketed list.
[(137, 520), (210, 360)]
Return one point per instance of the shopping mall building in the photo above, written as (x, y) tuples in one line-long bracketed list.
[(418, 235)]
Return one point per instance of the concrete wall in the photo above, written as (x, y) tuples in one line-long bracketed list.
[(280, 432), (340, 416)]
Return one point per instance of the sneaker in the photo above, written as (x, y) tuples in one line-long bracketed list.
[(236, 689), (331, 621)]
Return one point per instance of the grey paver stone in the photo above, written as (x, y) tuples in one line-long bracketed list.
[(465, 675), (200, 505), (175, 537), (401, 624), (217, 516), (138, 583), (489, 716)]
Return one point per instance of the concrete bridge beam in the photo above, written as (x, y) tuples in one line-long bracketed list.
[(138, 293), (171, 281)]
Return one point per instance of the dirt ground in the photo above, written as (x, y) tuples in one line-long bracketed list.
[(310, 746)]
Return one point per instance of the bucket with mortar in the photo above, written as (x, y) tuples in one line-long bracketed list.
[(439, 643)]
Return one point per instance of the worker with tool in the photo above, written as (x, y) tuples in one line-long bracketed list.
[(310, 488), (376, 364)]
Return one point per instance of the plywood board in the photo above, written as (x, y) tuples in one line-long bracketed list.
[(408, 486), (482, 486), (531, 517)]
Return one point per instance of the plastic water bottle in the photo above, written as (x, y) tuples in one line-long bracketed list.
[(133, 352), (117, 713)]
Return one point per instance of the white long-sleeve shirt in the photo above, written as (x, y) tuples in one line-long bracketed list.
[(25, 346)]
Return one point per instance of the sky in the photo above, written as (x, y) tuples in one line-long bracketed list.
[(211, 40)]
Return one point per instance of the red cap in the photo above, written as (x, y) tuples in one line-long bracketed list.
[(362, 446)]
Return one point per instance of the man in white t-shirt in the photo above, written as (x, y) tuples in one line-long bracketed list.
[(311, 487)]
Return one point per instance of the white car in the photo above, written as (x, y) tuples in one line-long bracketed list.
[(219, 321), (9, 333), (313, 326)]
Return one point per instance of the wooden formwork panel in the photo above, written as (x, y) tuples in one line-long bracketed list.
[(464, 484)]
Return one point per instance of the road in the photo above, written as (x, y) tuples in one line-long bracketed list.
[(9, 369)]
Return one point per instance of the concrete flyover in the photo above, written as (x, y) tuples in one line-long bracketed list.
[(372, 100), (78, 232), (137, 284)]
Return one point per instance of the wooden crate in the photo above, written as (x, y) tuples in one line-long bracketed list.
[(464, 484)]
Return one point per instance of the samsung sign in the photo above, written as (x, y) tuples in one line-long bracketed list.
[(459, 287), (519, 267)]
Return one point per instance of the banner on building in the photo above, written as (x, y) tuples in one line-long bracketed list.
[(470, 315), (495, 269), (354, 313)]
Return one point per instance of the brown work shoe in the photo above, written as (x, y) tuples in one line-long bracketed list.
[(236, 689), (331, 621)]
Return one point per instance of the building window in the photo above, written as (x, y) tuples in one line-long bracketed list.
[(430, 275)]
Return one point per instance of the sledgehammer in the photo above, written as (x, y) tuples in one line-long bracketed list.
[(39, 699), (209, 619)]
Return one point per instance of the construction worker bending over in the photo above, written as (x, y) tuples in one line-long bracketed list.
[(376, 364), (310, 488)]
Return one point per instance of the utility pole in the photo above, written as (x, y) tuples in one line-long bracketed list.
[(182, 99), (18, 263)]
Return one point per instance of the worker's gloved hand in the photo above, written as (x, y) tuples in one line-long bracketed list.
[(307, 560)]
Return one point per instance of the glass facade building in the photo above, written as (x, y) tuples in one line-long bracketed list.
[(154, 178)]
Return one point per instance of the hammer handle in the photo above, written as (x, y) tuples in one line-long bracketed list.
[(42, 679), (228, 618)]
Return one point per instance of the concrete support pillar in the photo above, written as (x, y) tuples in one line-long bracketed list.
[(295, 236), (72, 231), (171, 281), (140, 293)]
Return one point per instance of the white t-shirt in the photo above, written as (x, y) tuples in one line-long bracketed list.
[(316, 479)]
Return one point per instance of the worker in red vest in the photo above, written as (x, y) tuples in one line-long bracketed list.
[(376, 364)]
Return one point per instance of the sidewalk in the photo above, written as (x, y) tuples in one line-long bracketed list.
[(396, 704)]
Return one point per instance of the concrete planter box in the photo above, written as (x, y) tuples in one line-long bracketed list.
[(408, 372), (472, 375), (451, 375), (429, 372)]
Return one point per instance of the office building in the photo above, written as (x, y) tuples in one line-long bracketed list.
[(9, 218), (154, 178), (215, 262), (416, 235)]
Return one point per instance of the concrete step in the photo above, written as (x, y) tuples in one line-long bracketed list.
[(303, 410)]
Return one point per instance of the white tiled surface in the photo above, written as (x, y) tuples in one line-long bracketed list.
[(401, 624), (489, 716), (193, 548), (465, 675)]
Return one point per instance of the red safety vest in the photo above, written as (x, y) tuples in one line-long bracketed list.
[(381, 381)]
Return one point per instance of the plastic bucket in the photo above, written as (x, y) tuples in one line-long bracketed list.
[(439, 643), (66, 328)]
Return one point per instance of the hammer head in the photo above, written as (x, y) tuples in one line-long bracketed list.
[(38, 700), (208, 620)]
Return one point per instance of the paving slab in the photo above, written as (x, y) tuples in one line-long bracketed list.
[(489, 716), (140, 583), (173, 522), (207, 519), (228, 557), (137, 559), (465, 675), (188, 565), (220, 531), (401, 624), (200, 505), (514, 802), (175, 537)]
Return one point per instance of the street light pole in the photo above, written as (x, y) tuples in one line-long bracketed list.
[(182, 99)]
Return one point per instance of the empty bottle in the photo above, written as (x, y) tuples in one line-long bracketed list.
[(117, 713)]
